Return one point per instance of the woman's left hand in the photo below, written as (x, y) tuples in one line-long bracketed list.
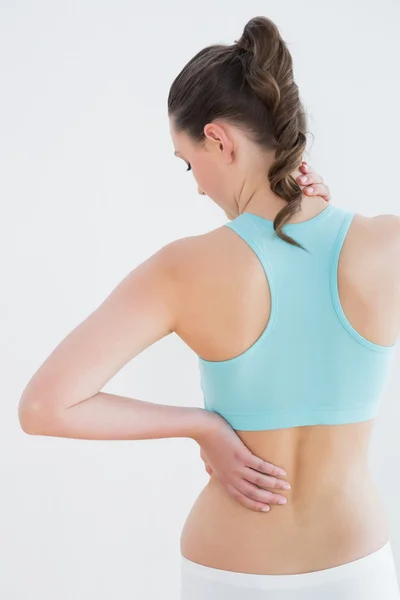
[(313, 185)]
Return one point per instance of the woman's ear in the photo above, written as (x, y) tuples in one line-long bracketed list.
[(217, 134)]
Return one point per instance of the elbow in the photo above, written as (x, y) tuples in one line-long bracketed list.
[(29, 418), (27, 426), (32, 418)]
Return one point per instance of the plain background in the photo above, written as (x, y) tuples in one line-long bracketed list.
[(89, 188)]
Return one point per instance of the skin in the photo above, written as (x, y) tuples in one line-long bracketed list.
[(331, 490)]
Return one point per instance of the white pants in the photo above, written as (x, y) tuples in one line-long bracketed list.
[(372, 577)]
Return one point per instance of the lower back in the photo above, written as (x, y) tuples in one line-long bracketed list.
[(334, 513)]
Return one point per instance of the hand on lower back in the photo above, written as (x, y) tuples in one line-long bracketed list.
[(237, 469)]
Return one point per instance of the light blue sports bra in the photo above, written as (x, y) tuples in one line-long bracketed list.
[(309, 366)]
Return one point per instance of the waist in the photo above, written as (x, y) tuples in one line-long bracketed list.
[(375, 572), (320, 527)]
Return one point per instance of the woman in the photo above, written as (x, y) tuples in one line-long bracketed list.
[(293, 308)]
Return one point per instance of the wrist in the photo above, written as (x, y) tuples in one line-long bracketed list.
[(205, 424)]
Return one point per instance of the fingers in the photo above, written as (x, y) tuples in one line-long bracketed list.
[(312, 183), (307, 169), (245, 500), (309, 179), (265, 481), (255, 493), (318, 189), (258, 464)]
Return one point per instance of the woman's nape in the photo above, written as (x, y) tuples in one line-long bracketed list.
[(233, 172)]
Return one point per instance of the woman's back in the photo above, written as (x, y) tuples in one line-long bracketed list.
[(226, 306)]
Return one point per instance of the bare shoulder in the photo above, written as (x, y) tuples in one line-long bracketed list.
[(207, 270), (378, 239), (383, 229), (187, 256), (213, 273), (386, 223)]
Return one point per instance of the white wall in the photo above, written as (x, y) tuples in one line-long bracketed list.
[(89, 188)]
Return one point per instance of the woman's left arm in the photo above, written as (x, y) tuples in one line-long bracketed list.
[(63, 397)]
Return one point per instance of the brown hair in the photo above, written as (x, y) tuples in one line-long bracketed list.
[(249, 84)]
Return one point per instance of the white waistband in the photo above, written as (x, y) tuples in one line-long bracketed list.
[(381, 559)]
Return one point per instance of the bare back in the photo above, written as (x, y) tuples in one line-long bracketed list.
[(225, 306)]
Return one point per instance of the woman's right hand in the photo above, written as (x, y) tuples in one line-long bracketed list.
[(311, 183), (237, 469)]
